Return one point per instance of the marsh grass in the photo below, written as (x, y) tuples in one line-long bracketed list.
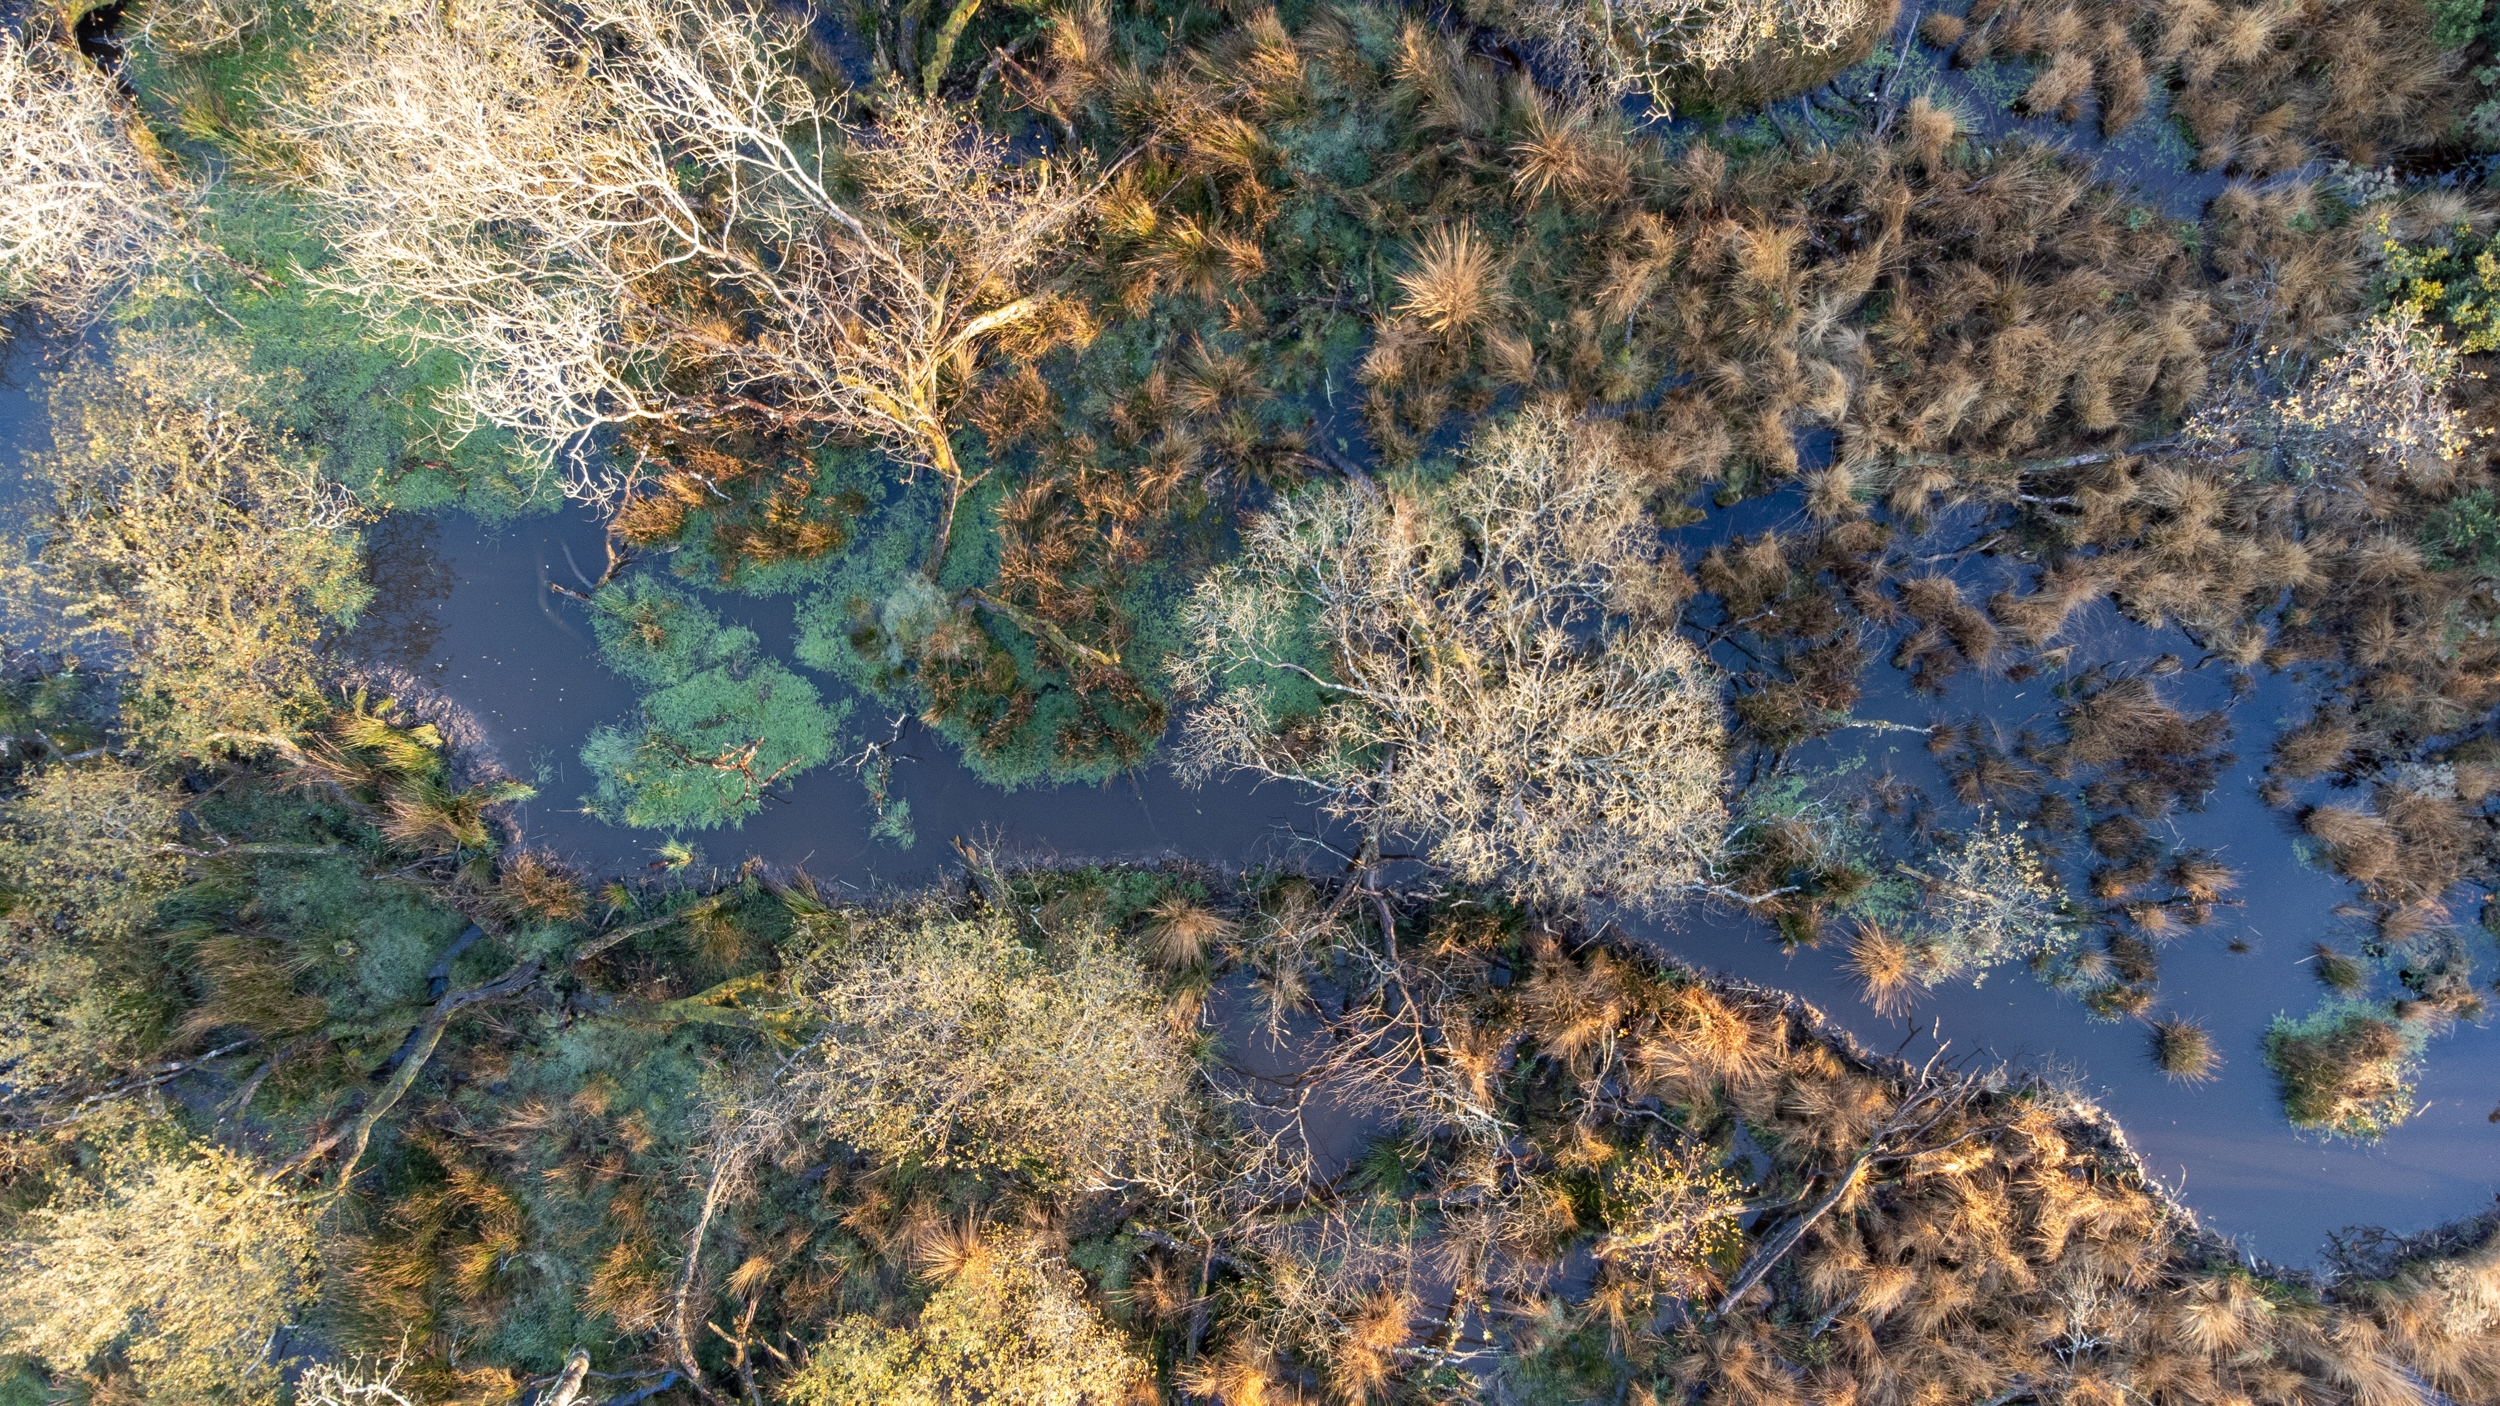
[(2345, 1070), (2184, 1049)]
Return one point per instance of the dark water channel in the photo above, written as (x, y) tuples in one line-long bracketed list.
[(468, 609)]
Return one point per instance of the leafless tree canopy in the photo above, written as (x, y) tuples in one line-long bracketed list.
[(1643, 46), (82, 208), (519, 191), (1462, 672)]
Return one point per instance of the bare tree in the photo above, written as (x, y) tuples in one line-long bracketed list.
[(1646, 46), (82, 207), (1452, 662), (640, 214)]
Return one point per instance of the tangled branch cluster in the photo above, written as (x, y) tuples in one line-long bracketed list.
[(86, 210), (1448, 663), (1647, 46), (515, 189)]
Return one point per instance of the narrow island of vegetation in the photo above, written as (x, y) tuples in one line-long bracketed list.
[(1328, 393)]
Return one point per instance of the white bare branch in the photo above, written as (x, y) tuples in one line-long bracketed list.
[(638, 214), (1447, 663), (83, 210)]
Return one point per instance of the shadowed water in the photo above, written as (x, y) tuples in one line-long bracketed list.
[(468, 609)]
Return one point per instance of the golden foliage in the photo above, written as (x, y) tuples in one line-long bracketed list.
[(1009, 1323), (182, 1261)]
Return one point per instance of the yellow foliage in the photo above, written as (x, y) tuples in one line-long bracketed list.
[(183, 1262)]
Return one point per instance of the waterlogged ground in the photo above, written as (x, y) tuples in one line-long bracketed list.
[(468, 609), (465, 609)]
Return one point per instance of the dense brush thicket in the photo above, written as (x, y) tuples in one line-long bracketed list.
[(1333, 369), (2261, 88), (1090, 1135)]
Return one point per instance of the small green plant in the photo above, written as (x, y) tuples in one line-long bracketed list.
[(2464, 534), (2455, 23), (2339, 971), (2455, 284)]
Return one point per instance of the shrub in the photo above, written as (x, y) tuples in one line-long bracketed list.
[(952, 1041), (83, 864), (1671, 1212), (1989, 898), (1736, 51), (1009, 1324), (209, 552), (183, 1261)]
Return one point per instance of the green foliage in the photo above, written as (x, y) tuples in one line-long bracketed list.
[(2456, 23), (52, 713), (2453, 284), (720, 727), (707, 750), (2464, 534), (183, 1261), (1104, 897), (657, 635), (172, 526), (1010, 1325), (20, 1385)]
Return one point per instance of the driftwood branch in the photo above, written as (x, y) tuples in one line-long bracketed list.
[(413, 1054)]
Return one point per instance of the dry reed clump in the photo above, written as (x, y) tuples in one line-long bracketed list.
[(2134, 754), (2406, 848), (1963, 1263), (2344, 1071), (1180, 931), (1934, 299), (2262, 87), (2184, 1049), (2338, 971), (1787, 592), (749, 497), (1886, 968)]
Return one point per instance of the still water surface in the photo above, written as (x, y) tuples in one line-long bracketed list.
[(467, 607)]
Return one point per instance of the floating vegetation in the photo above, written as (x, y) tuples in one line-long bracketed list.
[(720, 728), (2345, 1070)]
